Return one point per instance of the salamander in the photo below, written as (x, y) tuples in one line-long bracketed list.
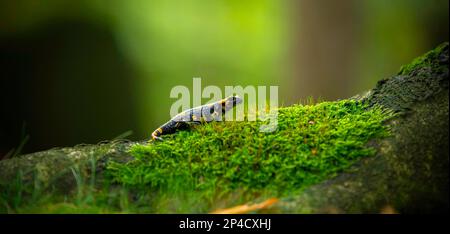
[(201, 114)]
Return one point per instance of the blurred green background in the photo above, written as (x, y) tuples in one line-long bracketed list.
[(85, 71)]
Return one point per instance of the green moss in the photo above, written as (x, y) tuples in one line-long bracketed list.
[(312, 143), (428, 59)]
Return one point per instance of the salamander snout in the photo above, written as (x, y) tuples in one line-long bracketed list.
[(237, 100)]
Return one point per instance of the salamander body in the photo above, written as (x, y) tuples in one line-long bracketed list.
[(201, 114)]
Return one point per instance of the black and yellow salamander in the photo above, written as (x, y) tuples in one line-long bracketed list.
[(201, 114)]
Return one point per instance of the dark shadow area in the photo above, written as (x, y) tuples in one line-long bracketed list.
[(65, 83)]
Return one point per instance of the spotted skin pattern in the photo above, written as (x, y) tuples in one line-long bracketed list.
[(197, 115)]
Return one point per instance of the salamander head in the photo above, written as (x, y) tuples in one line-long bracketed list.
[(232, 101)]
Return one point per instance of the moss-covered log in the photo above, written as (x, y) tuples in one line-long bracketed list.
[(408, 174), (411, 169)]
